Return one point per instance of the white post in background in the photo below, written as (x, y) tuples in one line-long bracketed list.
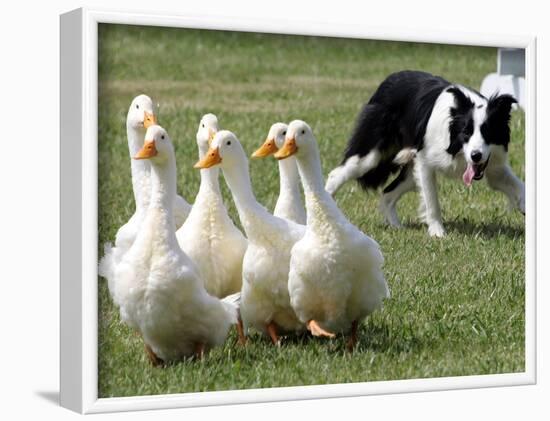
[(510, 75)]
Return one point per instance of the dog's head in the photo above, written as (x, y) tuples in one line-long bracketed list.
[(478, 125)]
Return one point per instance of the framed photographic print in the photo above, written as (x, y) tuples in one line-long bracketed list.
[(264, 211)]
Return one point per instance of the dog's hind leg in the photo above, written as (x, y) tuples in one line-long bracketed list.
[(425, 178), (402, 184), (502, 178), (354, 167)]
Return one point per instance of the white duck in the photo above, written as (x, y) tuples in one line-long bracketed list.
[(208, 236), (289, 204), (158, 287), (140, 117), (265, 303), (336, 276)]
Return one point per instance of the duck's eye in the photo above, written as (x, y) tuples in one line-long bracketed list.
[(203, 125), (228, 143), (303, 132), (284, 133), (137, 106), (162, 137)]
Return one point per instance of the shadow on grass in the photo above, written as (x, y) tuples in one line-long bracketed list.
[(380, 339), (485, 230), (376, 339)]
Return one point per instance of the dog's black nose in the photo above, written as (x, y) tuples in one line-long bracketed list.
[(476, 156)]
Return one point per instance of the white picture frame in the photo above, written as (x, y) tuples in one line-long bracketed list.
[(79, 285)]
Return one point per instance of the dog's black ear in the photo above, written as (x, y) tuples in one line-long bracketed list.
[(500, 106), (498, 119), (463, 103)]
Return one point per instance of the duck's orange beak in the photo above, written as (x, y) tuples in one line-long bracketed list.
[(148, 150), (211, 158), (268, 148), (288, 149), (149, 120)]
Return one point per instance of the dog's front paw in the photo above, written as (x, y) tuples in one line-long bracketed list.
[(436, 230)]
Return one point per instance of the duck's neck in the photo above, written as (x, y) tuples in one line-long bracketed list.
[(209, 177), (141, 169), (163, 185), (159, 218), (289, 180), (319, 204), (251, 213), (309, 167)]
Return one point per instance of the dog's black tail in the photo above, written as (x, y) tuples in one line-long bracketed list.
[(379, 129)]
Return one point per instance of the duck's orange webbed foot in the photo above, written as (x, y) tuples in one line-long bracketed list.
[(272, 331), (352, 341), (240, 332), (317, 330), (155, 361)]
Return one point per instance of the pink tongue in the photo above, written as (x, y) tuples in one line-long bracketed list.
[(468, 175)]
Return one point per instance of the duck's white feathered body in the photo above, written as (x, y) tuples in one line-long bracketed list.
[(158, 287), (264, 295), (336, 273), (211, 239), (209, 236), (289, 203), (141, 186), (161, 294)]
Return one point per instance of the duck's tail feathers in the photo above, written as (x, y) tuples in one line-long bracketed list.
[(233, 299), (106, 266), (233, 303)]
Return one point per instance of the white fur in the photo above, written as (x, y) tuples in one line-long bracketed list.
[(335, 270), (404, 156), (157, 286), (208, 236), (433, 158), (354, 167), (389, 200)]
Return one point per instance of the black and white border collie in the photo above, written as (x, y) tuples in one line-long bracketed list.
[(420, 124)]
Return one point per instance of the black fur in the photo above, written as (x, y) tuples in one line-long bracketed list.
[(399, 179), (397, 114), (461, 127), (395, 117), (496, 128)]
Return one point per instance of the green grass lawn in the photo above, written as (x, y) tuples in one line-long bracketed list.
[(457, 305)]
